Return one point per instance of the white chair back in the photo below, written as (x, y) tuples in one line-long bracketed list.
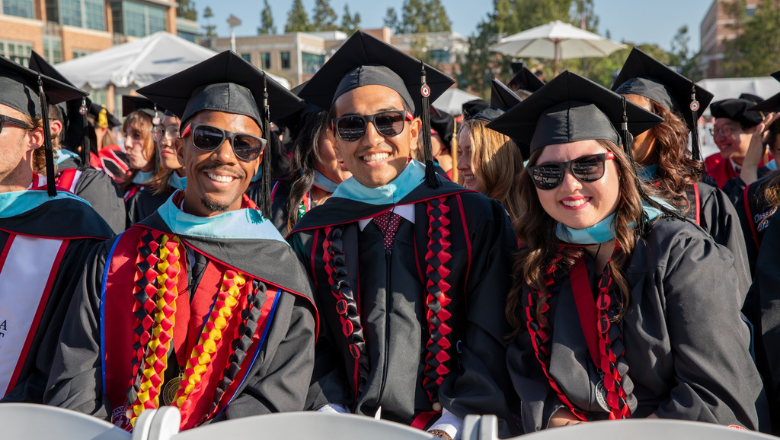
[(40, 422)]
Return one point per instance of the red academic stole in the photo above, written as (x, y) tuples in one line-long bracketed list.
[(68, 179), (28, 268), (146, 309)]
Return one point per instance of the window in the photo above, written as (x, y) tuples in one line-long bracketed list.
[(189, 36), (70, 12), (18, 51), (312, 62), (285, 60), (265, 60), (750, 11), (78, 53), (94, 13), (19, 8), (137, 20), (440, 56), (247, 57), (52, 49), (80, 13)]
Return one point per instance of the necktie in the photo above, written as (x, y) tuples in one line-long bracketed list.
[(388, 223)]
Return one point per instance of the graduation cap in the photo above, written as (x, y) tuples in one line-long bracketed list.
[(103, 118), (471, 108), (740, 110), (132, 103), (73, 112), (771, 104), (227, 83), (31, 93), (524, 80), (501, 100), (296, 121), (444, 124), (645, 76), (751, 97), (365, 60)]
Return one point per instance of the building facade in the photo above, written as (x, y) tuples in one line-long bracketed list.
[(717, 28)]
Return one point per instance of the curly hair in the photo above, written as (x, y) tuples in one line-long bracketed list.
[(543, 251), (39, 154), (305, 155)]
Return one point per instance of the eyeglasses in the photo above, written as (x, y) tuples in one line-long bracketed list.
[(353, 127), (208, 138), (726, 131), (7, 119), (588, 168), (170, 133)]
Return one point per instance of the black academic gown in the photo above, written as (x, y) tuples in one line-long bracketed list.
[(280, 191), (82, 229), (735, 186), (686, 346), (277, 380), (100, 190), (144, 203), (391, 307), (753, 210)]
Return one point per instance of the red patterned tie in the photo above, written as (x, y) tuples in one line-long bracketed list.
[(388, 223)]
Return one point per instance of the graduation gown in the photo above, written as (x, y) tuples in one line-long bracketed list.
[(97, 188), (376, 325), (736, 186), (144, 203), (262, 364), (686, 347), (280, 191), (40, 267), (753, 210)]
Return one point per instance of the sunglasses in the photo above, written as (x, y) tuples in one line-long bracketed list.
[(208, 138), (588, 168), (7, 119), (353, 127)]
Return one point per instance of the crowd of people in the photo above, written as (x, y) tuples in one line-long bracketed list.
[(558, 255)]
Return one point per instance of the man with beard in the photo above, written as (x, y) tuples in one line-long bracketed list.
[(202, 305)]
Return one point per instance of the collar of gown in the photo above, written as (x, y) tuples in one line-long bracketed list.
[(409, 179)]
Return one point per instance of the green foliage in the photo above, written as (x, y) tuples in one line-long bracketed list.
[(419, 17), (756, 50), (186, 9), (267, 26), (297, 19), (210, 29), (324, 17), (391, 19), (349, 23)]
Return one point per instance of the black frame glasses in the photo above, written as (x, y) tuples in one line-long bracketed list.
[(351, 128), (241, 143), (549, 175), (14, 121)]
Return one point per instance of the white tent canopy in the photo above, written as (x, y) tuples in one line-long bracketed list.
[(725, 88), (138, 63), (452, 100)]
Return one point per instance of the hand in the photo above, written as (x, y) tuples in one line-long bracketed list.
[(755, 152), (441, 434), (563, 417)]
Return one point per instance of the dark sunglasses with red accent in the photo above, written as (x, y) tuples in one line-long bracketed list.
[(588, 168), (208, 138), (351, 128), (7, 119)]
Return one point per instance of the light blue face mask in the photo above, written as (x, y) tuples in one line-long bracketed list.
[(61, 156), (772, 165), (604, 230), (323, 183), (143, 178), (647, 173)]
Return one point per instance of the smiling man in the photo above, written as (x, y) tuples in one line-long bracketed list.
[(202, 305), (411, 271)]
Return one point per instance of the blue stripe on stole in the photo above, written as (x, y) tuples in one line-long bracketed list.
[(103, 310)]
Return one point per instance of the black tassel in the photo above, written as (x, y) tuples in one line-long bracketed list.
[(431, 177), (85, 147), (265, 180), (50, 187), (695, 148)]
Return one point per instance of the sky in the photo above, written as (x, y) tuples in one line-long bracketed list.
[(659, 21)]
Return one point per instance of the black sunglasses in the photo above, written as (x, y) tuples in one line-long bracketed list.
[(7, 119), (352, 127), (588, 168), (208, 138)]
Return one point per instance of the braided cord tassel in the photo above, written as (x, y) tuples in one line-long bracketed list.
[(227, 300), (437, 299), (156, 361)]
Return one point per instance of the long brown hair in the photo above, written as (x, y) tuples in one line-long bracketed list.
[(543, 251), (143, 123), (772, 185), (676, 169), (499, 162)]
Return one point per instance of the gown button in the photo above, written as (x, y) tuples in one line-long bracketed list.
[(436, 406)]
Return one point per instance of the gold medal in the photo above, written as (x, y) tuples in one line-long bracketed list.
[(169, 389)]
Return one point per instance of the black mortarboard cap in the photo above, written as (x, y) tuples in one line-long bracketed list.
[(524, 79), (444, 124), (31, 92), (771, 104), (295, 121), (751, 97), (365, 60), (571, 108), (471, 108), (132, 103), (96, 109), (501, 100), (227, 83), (645, 76), (739, 110)]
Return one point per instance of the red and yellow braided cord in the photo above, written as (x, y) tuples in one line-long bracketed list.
[(227, 300), (156, 361)]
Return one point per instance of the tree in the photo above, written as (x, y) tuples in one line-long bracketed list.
[(391, 20), (324, 17), (413, 21), (297, 19), (756, 50), (211, 29), (187, 10), (349, 23), (436, 18), (733, 61), (266, 21)]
